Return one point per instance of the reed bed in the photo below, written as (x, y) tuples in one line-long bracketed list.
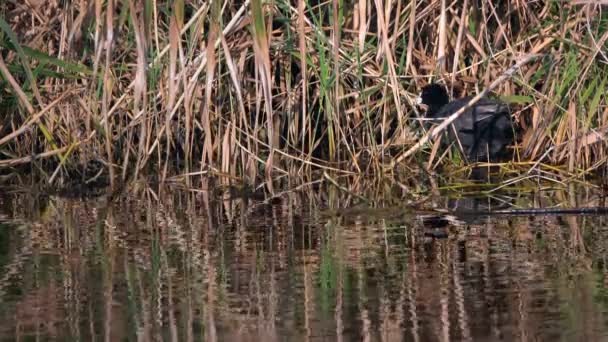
[(252, 90)]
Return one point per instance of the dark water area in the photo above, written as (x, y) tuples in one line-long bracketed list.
[(182, 266)]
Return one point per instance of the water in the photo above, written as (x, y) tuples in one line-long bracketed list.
[(181, 266)]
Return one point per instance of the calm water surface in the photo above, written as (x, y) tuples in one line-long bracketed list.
[(181, 266)]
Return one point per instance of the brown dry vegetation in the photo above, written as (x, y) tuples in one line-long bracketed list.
[(248, 89)]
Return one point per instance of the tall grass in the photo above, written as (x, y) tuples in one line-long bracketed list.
[(250, 89)]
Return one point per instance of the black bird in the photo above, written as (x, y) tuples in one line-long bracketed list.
[(483, 131)]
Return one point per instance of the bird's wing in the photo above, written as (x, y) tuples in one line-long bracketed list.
[(483, 110), (480, 111), (488, 109)]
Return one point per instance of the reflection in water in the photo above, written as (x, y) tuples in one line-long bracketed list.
[(188, 268)]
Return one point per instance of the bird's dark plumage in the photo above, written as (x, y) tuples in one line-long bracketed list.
[(484, 131)]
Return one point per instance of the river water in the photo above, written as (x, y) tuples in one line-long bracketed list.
[(183, 265)]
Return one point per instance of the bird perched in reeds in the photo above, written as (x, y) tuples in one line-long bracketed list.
[(482, 132)]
